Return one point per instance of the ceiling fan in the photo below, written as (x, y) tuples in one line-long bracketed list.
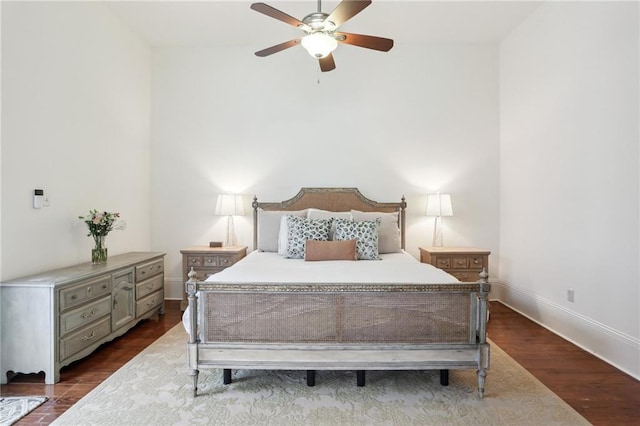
[(321, 36)]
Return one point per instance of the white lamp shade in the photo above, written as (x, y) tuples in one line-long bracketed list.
[(319, 44), (439, 205), (229, 205)]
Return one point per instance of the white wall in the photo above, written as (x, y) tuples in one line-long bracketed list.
[(76, 123), (569, 162), (408, 122)]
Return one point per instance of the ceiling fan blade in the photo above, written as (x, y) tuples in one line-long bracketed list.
[(277, 48), (327, 63), (347, 10), (276, 14), (370, 42)]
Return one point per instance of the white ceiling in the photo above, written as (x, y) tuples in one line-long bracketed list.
[(232, 22)]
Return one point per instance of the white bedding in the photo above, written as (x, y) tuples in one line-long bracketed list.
[(268, 267), (394, 268)]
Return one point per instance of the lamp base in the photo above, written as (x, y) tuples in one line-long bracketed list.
[(438, 239), (231, 240)]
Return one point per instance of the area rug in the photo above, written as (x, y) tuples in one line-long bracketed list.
[(154, 388), (14, 408)]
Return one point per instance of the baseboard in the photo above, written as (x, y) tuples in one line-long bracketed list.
[(612, 346)]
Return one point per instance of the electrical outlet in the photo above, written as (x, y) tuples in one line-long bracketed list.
[(570, 295)]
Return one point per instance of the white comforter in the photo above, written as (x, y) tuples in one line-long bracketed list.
[(268, 268), (395, 268)]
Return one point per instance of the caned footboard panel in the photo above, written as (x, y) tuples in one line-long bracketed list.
[(340, 318)]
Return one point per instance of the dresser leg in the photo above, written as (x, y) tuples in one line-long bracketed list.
[(360, 378)]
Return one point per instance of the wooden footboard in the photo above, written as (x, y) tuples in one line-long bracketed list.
[(338, 327)]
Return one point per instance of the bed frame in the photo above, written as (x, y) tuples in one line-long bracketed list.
[(337, 326)]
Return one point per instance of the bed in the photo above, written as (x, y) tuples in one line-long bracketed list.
[(371, 310)]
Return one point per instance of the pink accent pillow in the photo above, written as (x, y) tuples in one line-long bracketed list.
[(330, 250)]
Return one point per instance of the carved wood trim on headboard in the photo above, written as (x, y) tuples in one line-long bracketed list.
[(331, 199)]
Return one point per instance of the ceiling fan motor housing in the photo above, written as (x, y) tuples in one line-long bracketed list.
[(318, 22)]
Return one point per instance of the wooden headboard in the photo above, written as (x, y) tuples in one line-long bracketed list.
[(331, 199)]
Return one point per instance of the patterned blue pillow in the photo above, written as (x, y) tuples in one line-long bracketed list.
[(302, 229), (364, 232)]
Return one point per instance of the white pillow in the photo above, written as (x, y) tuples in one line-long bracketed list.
[(388, 234), (325, 214), (269, 227)]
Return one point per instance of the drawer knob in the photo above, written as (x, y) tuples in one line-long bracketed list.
[(193, 261), (476, 261), (74, 297), (459, 262), (209, 260), (88, 289)]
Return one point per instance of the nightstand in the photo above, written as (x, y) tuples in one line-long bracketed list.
[(207, 261), (464, 263)]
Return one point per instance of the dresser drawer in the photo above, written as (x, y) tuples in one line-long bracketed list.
[(150, 269), (85, 315), (148, 303), (84, 337), (84, 292), (149, 286)]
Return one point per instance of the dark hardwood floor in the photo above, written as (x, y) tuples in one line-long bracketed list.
[(598, 391)]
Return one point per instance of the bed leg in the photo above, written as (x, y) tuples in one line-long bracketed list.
[(482, 374), (226, 376), (311, 377), (194, 377), (360, 378), (444, 377)]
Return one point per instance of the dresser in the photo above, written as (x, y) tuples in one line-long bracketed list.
[(206, 261), (464, 263), (56, 317)]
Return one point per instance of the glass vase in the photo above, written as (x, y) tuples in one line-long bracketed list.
[(99, 252)]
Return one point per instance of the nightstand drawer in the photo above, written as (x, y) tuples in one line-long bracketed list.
[(460, 262), (477, 262), (194, 260), (84, 292), (209, 261), (466, 276), (225, 261), (443, 262), (464, 263)]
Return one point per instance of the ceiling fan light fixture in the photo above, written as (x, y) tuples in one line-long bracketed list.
[(319, 44)]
